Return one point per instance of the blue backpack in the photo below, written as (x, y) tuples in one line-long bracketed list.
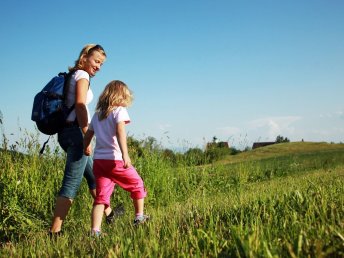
[(49, 109)]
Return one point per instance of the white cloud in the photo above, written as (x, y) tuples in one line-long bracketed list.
[(340, 114), (270, 127), (229, 130), (328, 133), (334, 114), (308, 127), (164, 127), (263, 129)]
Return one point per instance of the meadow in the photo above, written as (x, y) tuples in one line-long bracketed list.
[(283, 200)]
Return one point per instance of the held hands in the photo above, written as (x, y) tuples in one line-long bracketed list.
[(88, 135), (88, 150)]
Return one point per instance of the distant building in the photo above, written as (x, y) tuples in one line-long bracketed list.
[(261, 144)]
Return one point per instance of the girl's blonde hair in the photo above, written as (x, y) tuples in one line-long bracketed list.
[(115, 94), (86, 52)]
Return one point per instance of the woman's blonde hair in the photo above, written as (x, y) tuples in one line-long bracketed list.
[(115, 94), (86, 52)]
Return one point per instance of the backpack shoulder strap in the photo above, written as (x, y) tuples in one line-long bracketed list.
[(66, 86)]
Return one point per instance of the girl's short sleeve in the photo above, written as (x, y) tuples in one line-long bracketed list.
[(121, 115)]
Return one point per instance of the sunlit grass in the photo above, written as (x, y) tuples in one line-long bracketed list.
[(280, 200), (283, 149)]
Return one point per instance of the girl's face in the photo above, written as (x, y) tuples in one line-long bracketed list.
[(93, 63)]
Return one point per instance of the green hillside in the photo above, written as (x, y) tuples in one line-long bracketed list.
[(283, 200), (283, 149)]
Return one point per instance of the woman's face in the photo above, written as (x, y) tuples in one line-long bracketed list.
[(93, 63)]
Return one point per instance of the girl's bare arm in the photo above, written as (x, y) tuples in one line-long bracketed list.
[(122, 141)]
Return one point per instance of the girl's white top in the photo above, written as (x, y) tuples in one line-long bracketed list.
[(106, 134), (77, 75)]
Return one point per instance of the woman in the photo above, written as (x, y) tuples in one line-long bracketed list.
[(70, 138)]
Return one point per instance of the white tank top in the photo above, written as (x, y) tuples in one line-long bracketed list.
[(77, 75)]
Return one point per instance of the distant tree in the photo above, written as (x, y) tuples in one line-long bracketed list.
[(151, 143), (280, 139), (222, 144), (247, 148), (169, 155), (135, 148), (234, 151), (194, 156)]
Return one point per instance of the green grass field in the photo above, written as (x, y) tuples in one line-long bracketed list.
[(283, 200)]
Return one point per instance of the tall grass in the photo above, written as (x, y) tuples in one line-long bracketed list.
[(287, 205)]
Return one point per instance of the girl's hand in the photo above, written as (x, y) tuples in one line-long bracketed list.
[(127, 161), (122, 141)]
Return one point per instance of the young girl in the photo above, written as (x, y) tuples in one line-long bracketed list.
[(112, 164)]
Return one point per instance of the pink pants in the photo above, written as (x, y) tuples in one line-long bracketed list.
[(108, 173)]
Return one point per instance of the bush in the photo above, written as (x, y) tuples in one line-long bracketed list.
[(216, 153), (280, 139), (194, 157)]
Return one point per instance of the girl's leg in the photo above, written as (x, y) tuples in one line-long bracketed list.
[(105, 187), (139, 216), (91, 181), (97, 215), (138, 205), (108, 210), (129, 180)]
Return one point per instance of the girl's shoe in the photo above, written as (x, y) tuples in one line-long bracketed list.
[(140, 220), (96, 234)]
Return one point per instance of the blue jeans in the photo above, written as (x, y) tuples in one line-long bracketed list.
[(77, 164)]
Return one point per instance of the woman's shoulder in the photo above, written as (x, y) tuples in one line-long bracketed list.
[(81, 74)]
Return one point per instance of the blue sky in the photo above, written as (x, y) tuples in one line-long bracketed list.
[(242, 71)]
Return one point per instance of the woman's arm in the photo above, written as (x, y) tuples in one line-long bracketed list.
[(122, 141), (87, 142), (81, 89)]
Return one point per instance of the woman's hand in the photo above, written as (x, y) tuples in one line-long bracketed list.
[(87, 142)]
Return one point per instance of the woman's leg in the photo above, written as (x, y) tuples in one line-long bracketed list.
[(70, 140), (61, 209)]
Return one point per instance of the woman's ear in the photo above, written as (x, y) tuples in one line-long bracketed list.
[(83, 60)]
